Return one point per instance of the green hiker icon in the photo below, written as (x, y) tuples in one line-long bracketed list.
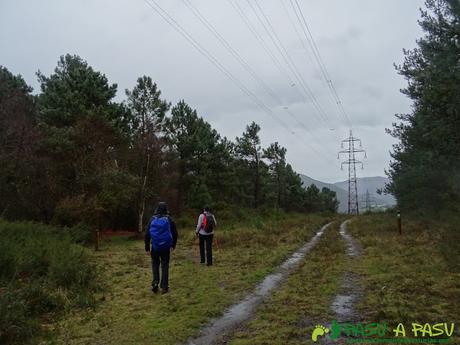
[(319, 331)]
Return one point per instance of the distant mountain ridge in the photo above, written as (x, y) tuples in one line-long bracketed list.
[(371, 184)]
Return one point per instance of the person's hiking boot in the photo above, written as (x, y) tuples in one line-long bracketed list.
[(209, 264), (155, 288), (202, 262), (163, 291)]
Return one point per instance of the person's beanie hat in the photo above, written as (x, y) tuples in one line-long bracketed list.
[(162, 208)]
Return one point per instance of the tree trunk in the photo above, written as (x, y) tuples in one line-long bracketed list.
[(142, 203), (257, 185), (278, 180), (180, 187)]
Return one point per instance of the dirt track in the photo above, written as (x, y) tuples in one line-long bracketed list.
[(244, 310)]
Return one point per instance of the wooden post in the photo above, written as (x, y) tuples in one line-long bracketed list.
[(399, 222), (97, 239)]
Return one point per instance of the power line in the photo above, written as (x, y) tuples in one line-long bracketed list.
[(241, 13), (171, 21), (306, 48), (232, 51), (284, 54), (175, 25), (271, 32), (353, 207), (260, 39), (242, 61), (316, 53), (296, 31)]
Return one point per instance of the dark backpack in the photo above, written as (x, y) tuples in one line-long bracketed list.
[(209, 223), (160, 232)]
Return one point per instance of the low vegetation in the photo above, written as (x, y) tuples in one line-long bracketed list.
[(42, 273), (413, 277)]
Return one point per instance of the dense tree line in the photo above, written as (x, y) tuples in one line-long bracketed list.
[(72, 154), (425, 170)]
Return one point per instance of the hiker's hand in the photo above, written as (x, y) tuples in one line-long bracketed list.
[(147, 253), (172, 249)]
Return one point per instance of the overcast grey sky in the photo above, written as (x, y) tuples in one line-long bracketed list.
[(359, 40)]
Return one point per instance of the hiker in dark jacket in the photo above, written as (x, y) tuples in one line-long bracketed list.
[(160, 239), (205, 231)]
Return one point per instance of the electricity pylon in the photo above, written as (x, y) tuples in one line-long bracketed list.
[(353, 207), (368, 200)]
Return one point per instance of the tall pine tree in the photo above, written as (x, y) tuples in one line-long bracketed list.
[(426, 161)]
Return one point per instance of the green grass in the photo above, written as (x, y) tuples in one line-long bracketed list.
[(413, 277), (303, 301), (128, 313)]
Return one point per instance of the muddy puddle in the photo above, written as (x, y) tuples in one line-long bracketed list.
[(243, 310)]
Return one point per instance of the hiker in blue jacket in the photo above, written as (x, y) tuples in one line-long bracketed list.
[(160, 240), (205, 231)]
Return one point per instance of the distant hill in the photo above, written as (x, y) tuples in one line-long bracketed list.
[(372, 184), (342, 195)]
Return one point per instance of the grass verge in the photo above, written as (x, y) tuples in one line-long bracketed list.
[(413, 277)]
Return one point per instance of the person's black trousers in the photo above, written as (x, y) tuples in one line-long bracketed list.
[(206, 239), (160, 257)]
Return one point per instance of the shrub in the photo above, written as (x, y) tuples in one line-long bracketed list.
[(73, 210), (81, 233), (42, 270), (16, 326)]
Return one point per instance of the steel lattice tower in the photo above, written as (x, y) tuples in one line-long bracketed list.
[(367, 200), (353, 207)]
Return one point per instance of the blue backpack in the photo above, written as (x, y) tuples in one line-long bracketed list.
[(160, 232)]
